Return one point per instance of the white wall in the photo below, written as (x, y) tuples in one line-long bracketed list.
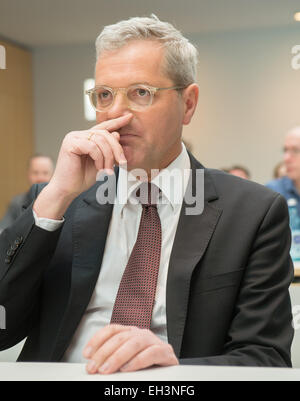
[(59, 73), (249, 97)]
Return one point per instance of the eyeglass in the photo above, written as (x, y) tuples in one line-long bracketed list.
[(292, 151), (138, 96)]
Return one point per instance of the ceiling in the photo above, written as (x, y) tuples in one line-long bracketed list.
[(36, 23)]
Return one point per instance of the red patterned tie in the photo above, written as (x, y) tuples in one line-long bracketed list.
[(136, 294)]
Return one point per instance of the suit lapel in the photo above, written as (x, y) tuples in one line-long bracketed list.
[(192, 238), (90, 227)]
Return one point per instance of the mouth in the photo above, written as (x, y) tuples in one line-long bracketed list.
[(127, 135), (127, 131), (127, 139)]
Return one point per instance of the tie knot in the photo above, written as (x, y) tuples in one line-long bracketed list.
[(147, 194)]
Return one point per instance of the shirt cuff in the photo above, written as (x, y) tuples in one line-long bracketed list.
[(47, 224)]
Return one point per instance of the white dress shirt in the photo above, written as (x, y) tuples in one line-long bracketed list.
[(122, 235)]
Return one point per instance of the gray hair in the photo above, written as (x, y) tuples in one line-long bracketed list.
[(180, 55), (294, 131)]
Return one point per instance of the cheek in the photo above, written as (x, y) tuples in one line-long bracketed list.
[(165, 118), (100, 117), (167, 125)]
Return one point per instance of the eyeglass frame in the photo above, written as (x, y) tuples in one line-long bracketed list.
[(291, 151), (114, 91)]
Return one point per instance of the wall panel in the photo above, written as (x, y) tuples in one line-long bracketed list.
[(16, 122)]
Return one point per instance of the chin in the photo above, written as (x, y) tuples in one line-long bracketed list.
[(133, 157), (129, 154)]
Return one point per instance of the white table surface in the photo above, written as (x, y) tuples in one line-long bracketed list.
[(76, 372)]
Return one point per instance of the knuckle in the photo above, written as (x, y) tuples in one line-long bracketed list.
[(169, 348), (170, 351), (68, 137), (121, 337), (137, 342), (101, 139), (94, 340)]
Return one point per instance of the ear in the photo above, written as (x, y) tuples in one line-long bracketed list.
[(190, 98)]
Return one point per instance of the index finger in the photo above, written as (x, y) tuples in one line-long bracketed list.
[(115, 124)]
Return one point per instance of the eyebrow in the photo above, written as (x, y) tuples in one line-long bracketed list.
[(135, 83), (285, 148)]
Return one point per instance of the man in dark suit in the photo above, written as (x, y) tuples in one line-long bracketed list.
[(40, 169), (76, 272)]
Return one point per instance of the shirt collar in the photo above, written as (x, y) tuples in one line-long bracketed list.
[(290, 187), (172, 181)]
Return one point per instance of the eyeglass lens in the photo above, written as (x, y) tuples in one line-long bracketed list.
[(138, 96)]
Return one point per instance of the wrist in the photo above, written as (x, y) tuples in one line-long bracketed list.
[(52, 203)]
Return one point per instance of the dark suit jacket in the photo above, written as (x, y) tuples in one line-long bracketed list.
[(227, 288), (14, 210)]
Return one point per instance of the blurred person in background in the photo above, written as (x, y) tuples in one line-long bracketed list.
[(279, 170), (40, 170), (289, 185), (240, 171)]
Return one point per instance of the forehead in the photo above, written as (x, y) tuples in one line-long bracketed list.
[(40, 162), (136, 62), (293, 139)]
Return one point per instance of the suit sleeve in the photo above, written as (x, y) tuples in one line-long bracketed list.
[(25, 252), (261, 330), (9, 217)]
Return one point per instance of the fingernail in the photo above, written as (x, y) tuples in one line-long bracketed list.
[(92, 367), (87, 353)]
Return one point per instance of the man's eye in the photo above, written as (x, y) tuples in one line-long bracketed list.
[(104, 95), (141, 92)]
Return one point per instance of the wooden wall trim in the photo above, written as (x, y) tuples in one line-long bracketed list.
[(16, 122)]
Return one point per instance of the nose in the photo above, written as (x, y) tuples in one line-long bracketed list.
[(120, 106), (287, 156)]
